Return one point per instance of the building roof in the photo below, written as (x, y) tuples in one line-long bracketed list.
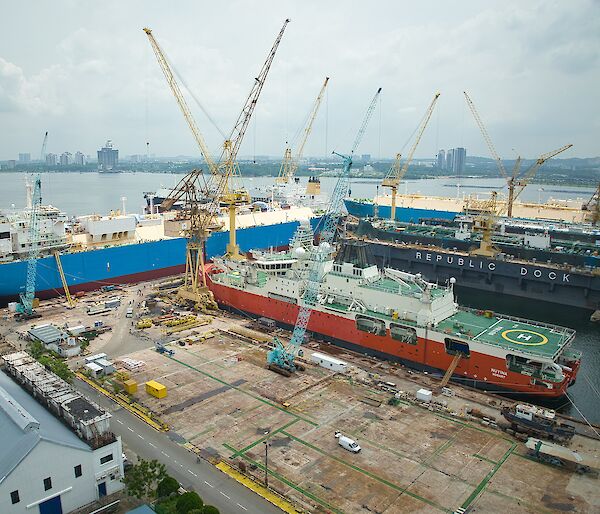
[(47, 334), (94, 367), (24, 423)]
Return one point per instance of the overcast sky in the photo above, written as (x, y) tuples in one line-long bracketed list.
[(85, 72)]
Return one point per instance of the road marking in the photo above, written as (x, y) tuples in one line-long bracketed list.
[(209, 485), (228, 497), (192, 473), (241, 506), (140, 436), (130, 429), (119, 421), (165, 454), (152, 445)]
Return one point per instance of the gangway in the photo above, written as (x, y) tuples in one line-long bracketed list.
[(450, 370), (70, 300)]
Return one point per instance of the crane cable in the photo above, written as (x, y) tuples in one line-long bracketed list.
[(194, 97)]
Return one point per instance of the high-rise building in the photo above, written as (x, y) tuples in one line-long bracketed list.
[(50, 159), (24, 158), (79, 159), (11, 165), (66, 158), (459, 160), (108, 157), (441, 160), (449, 159)]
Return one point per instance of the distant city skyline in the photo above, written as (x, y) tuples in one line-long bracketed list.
[(536, 90)]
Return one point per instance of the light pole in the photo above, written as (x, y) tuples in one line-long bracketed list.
[(266, 443)]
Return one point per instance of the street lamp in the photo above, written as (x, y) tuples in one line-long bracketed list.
[(266, 443)]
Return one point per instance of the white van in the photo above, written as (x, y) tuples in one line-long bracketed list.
[(348, 444), (129, 313)]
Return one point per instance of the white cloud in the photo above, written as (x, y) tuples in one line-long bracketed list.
[(88, 73)]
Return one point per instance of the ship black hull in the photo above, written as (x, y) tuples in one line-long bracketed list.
[(561, 285)]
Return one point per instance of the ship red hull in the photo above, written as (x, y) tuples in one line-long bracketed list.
[(480, 370)]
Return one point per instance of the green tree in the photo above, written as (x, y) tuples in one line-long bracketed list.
[(142, 479), (188, 502), (167, 486), (36, 349), (196, 511), (209, 509)]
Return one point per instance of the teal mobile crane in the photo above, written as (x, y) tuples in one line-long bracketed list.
[(282, 358)]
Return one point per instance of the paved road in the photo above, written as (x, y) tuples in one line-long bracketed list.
[(212, 485)]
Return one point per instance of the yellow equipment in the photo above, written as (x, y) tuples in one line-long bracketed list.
[(70, 300), (515, 184), (217, 187), (395, 174), (144, 323), (450, 370), (156, 389), (484, 222), (130, 386), (289, 164)]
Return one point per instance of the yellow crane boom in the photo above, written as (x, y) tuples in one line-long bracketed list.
[(228, 165), (395, 174), (515, 184), (187, 114), (289, 164), (530, 173)]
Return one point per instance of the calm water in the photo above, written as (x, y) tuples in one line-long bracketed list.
[(85, 193)]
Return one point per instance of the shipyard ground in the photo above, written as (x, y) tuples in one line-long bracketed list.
[(224, 403)]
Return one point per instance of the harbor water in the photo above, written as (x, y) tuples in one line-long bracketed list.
[(86, 193)]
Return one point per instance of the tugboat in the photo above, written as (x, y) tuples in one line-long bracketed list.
[(538, 421)]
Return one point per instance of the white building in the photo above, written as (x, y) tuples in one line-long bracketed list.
[(49, 465)]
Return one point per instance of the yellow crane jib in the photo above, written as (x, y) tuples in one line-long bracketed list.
[(289, 164), (187, 114), (395, 174)]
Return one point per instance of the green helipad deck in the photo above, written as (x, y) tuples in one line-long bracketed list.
[(510, 333)]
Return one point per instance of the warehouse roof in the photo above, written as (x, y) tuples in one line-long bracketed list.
[(24, 423), (47, 334)]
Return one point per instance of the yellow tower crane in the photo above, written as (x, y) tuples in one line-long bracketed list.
[(514, 183), (396, 173), (229, 193), (215, 188), (289, 165)]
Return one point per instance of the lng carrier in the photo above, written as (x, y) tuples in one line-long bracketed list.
[(398, 316), (118, 248)]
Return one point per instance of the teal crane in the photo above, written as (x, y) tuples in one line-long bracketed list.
[(25, 308), (282, 358)]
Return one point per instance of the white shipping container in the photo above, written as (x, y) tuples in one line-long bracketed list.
[(329, 362), (424, 395)]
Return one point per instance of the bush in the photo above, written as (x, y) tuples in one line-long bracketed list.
[(209, 509), (166, 487), (188, 502)]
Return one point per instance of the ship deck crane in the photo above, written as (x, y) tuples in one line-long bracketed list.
[(514, 183), (216, 187), (289, 164), (25, 308), (396, 173), (282, 359)]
